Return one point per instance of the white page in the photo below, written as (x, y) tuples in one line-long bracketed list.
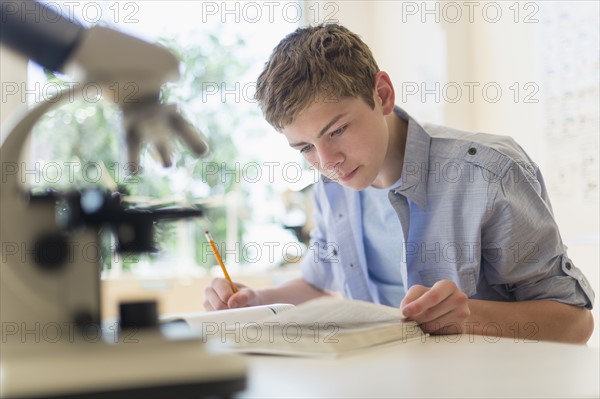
[(238, 316), (342, 312), (326, 327)]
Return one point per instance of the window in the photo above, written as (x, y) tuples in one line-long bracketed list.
[(223, 47)]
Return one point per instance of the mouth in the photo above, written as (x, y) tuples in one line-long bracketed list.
[(346, 177)]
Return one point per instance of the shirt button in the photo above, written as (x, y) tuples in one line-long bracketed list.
[(472, 151), (340, 216), (568, 266)]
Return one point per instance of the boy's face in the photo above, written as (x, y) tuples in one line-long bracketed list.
[(346, 140)]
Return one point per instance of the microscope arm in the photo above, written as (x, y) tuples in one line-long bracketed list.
[(95, 55), (47, 40), (131, 70)]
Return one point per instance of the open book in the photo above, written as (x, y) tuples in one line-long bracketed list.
[(323, 326)]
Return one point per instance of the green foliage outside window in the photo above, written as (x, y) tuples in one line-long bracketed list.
[(86, 140)]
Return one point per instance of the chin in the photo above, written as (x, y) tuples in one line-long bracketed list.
[(355, 185)]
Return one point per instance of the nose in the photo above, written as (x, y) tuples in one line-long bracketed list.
[(330, 158)]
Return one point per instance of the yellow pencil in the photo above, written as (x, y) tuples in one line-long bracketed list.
[(218, 256)]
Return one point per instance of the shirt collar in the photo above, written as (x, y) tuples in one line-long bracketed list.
[(416, 161)]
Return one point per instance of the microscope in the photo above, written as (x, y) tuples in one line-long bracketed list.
[(53, 345)]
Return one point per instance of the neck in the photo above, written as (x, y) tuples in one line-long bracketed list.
[(394, 158)]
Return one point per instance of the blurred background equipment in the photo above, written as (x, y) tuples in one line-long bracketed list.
[(49, 286)]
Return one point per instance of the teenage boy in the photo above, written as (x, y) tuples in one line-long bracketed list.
[(455, 228)]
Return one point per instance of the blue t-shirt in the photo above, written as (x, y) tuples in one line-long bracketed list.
[(382, 234)]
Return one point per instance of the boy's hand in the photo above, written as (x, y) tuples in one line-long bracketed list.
[(441, 309), (219, 296)]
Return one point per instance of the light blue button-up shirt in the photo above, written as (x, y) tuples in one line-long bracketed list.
[(473, 208), (383, 254)]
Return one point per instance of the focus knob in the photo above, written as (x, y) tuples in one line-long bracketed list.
[(142, 314), (51, 251)]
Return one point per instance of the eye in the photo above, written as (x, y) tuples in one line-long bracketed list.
[(339, 131), (306, 149)]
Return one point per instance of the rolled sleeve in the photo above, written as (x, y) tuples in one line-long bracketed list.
[(565, 284), (523, 254)]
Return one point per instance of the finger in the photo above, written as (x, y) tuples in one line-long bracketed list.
[(445, 326), (239, 299), (212, 301), (222, 289), (449, 323), (244, 297), (456, 301), (413, 293), (433, 297)]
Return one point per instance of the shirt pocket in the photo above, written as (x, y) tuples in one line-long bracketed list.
[(464, 279), (325, 253)]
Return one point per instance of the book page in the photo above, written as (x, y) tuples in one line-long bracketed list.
[(342, 312), (325, 327), (240, 316)]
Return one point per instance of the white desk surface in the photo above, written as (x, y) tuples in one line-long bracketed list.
[(452, 366)]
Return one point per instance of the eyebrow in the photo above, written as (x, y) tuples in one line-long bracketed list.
[(323, 131)]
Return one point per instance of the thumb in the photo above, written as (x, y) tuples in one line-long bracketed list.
[(412, 294), (240, 299)]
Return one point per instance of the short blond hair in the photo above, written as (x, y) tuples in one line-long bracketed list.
[(325, 62)]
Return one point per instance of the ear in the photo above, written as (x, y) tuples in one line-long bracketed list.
[(384, 92)]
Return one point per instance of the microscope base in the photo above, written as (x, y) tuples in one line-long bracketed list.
[(211, 389), (146, 366)]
